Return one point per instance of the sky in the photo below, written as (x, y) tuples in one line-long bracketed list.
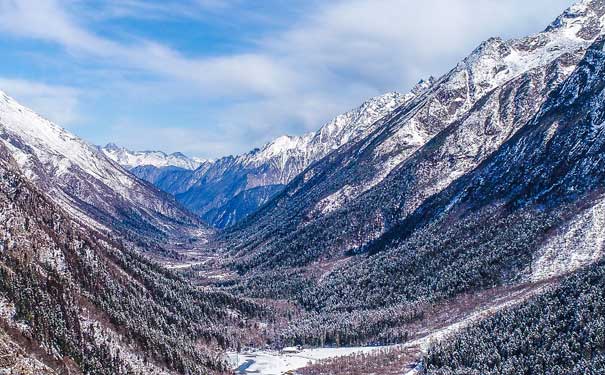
[(216, 77)]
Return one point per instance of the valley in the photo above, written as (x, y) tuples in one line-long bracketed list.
[(453, 229)]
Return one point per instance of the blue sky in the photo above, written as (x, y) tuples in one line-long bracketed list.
[(218, 77)]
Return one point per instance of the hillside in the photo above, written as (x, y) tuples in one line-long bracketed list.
[(88, 185), (77, 301), (360, 192)]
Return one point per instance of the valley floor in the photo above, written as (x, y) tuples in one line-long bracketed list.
[(272, 362), (445, 319)]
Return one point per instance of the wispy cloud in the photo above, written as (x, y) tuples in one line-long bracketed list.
[(60, 104), (327, 60), (239, 74)]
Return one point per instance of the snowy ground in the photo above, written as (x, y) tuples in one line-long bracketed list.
[(270, 362), (177, 266)]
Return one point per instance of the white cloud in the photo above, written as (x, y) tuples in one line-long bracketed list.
[(59, 104), (326, 62)]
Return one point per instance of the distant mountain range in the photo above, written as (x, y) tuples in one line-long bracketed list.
[(225, 191), (130, 159)]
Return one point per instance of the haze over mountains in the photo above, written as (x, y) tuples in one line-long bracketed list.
[(462, 221)]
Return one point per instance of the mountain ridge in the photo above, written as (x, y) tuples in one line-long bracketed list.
[(465, 116), (214, 188), (131, 159), (89, 185)]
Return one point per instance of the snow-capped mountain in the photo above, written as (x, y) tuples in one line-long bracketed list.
[(130, 159), (504, 189), (471, 210), (226, 190), (289, 155), (357, 193), (83, 181)]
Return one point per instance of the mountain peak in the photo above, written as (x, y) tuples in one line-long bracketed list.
[(584, 19), (112, 146), (309, 147), (130, 159)]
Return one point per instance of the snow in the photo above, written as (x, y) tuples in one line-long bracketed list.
[(271, 362), (55, 147), (337, 199), (7, 314), (130, 159), (54, 258), (579, 243), (491, 65), (410, 137), (119, 347), (7, 309), (552, 130), (178, 266), (291, 154), (75, 174)]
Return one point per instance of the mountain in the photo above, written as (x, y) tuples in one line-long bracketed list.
[(87, 184), (464, 224), (355, 195), (75, 301), (130, 159), (562, 154), (504, 193), (225, 191)]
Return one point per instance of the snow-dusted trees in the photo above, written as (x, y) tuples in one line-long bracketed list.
[(84, 299), (560, 332)]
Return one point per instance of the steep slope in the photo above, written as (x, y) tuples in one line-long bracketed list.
[(556, 160), (359, 192), (83, 181), (498, 223), (532, 211), (130, 159), (75, 301), (216, 190)]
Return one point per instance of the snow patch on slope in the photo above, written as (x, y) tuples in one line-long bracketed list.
[(494, 63), (578, 243)]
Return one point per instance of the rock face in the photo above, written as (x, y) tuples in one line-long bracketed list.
[(86, 183), (225, 191), (358, 193)]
